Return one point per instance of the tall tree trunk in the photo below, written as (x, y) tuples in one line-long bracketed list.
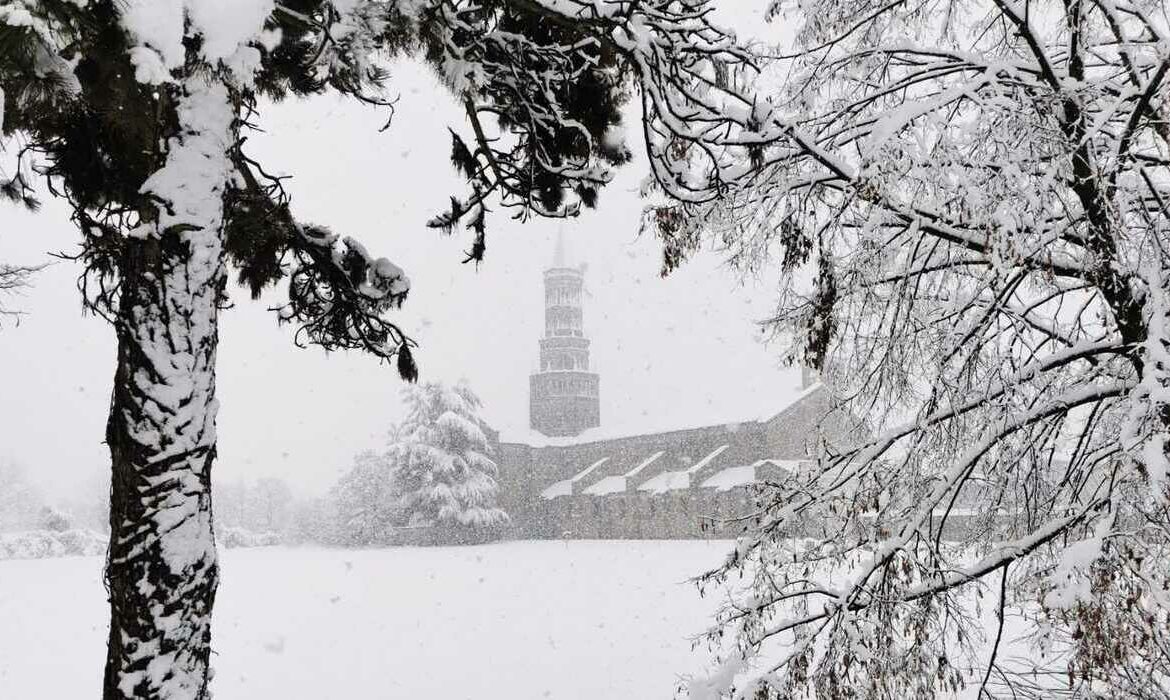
[(161, 569)]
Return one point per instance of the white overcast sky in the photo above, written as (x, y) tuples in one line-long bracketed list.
[(672, 353)]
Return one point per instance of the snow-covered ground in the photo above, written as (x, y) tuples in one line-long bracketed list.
[(573, 620)]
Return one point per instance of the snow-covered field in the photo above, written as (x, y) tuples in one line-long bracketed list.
[(574, 620)]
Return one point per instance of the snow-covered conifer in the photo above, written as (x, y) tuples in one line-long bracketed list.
[(443, 473)]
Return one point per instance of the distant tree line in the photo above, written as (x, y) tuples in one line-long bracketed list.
[(264, 510)]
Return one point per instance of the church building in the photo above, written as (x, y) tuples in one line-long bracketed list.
[(571, 475)]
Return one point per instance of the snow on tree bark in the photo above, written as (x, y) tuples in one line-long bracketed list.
[(162, 571)]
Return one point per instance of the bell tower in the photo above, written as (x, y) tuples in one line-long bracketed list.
[(563, 397)]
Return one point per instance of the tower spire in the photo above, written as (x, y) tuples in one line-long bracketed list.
[(559, 257)]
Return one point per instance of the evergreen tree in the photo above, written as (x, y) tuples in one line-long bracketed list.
[(443, 473), (135, 112)]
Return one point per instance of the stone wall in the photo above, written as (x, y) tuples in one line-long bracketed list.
[(564, 402), (681, 513)]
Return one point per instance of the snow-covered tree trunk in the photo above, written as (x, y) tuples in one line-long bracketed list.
[(162, 571)]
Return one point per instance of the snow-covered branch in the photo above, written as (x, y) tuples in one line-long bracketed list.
[(971, 204)]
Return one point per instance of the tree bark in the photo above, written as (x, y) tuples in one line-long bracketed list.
[(161, 570)]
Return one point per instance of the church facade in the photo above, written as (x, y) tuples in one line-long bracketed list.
[(572, 477)]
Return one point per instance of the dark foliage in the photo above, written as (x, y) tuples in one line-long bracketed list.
[(96, 143), (552, 91)]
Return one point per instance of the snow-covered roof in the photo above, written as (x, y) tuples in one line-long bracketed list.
[(618, 484), (561, 488), (743, 475), (589, 470), (707, 460), (565, 486), (533, 438), (610, 484), (802, 395), (672, 481), (667, 481), (731, 477), (645, 463), (790, 465)]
